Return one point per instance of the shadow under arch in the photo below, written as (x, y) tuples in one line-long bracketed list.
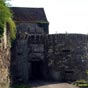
[(36, 70)]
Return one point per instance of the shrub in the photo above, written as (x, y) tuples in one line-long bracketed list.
[(6, 17)]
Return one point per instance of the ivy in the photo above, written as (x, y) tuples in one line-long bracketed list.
[(6, 17)]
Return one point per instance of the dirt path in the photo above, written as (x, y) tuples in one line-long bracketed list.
[(52, 85), (61, 85)]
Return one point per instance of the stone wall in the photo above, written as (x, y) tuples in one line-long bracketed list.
[(4, 64), (67, 56), (30, 28), (57, 57), (64, 57), (27, 50)]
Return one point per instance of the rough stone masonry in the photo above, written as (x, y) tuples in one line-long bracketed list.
[(4, 60), (38, 55)]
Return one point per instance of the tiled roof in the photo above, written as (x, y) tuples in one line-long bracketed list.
[(29, 14)]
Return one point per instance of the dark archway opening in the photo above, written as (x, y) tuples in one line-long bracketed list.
[(36, 70), (68, 76)]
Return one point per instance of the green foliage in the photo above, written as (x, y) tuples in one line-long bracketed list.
[(1, 32), (87, 72), (12, 29), (81, 83), (6, 17)]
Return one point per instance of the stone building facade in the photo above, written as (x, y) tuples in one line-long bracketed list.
[(38, 55)]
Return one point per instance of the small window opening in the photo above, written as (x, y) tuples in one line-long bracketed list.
[(37, 38), (19, 53), (32, 37), (69, 71), (66, 50)]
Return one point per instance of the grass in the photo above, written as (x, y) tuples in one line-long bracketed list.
[(81, 83)]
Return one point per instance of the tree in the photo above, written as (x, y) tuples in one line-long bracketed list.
[(6, 17)]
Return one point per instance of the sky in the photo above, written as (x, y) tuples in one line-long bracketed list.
[(64, 16)]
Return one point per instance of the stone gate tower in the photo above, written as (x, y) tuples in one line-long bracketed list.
[(29, 59)]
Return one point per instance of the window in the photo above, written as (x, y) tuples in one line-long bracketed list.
[(19, 53), (66, 50), (69, 71)]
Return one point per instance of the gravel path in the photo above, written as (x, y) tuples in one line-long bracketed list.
[(52, 85), (61, 85)]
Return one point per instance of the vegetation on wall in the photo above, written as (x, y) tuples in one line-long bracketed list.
[(6, 17)]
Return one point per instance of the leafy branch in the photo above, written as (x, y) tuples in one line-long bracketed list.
[(6, 17)]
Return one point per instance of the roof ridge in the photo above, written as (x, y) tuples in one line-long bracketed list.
[(29, 7)]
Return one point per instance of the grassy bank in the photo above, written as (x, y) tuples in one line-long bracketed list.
[(81, 83)]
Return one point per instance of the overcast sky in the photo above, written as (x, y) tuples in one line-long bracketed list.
[(69, 16)]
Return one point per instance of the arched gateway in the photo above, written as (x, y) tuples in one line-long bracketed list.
[(36, 69)]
